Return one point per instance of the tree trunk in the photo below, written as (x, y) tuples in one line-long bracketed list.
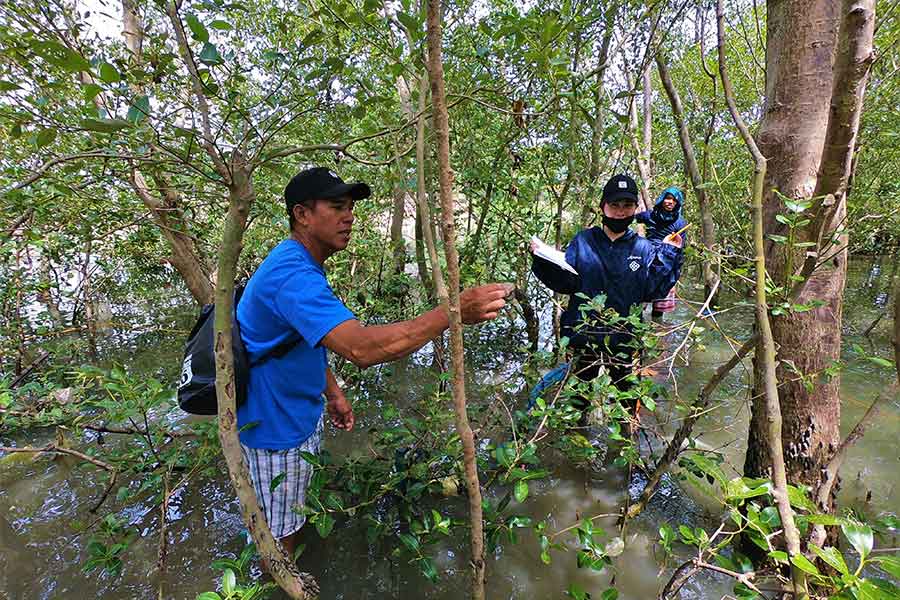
[(186, 256), (165, 203), (765, 352), (284, 570), (598, 123), (808, 139), (708, 231), (896, 336), (643, 167), (442, 134)]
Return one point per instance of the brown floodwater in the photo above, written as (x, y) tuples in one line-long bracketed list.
[(44, 503)]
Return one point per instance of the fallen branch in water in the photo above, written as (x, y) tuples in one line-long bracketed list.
[(697, 409), (60, 450)]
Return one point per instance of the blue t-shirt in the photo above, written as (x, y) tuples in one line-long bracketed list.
[(288, 296)]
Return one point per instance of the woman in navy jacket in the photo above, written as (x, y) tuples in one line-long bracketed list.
[(665, 219), (615, 261)]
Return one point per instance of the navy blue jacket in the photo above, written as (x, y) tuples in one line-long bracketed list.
[(630, 270), (661, 222)]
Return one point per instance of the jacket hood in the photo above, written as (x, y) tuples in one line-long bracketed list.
[(679, 202)]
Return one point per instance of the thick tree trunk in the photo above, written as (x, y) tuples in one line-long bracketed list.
[(807, 137), (708, 230), (765, 351), (442, 134)]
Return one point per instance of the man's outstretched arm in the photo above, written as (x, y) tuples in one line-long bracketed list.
[(367, 346)]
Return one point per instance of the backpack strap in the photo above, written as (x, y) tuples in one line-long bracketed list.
[(277, 352)]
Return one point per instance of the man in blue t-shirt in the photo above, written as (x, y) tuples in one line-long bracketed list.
[(289, 298)]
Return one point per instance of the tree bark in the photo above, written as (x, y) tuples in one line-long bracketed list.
[(765, 352), (442, 133), (165, 202), (282, 567), (808, 138), (598, 122), (186, 256), (708, 231)]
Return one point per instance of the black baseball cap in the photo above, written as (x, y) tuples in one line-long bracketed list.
[(321, 183), (620, 187)]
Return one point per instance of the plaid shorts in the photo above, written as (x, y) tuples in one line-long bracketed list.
[(265, 465)]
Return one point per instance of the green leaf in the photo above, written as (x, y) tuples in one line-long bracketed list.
[(139, 110), (210, 55), (576, 592), (324, 525), (221, 25), (832, 557), (890, 564), (779, 556), (90, 91), (824, 520), (228, 582), (410, 23), (798, 499), (108, 73), (883, 362), (7, 86), (803, 563), (198, 30), (410, 541), (105, 125), (276, 481), (521, 491), (208, 596), (45, 137), (610, 594), (428, 569), (860, 537)]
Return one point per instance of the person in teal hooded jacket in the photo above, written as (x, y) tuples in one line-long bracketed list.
[(665, 219)]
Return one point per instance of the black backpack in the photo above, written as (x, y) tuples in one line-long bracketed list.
[(197, 388)]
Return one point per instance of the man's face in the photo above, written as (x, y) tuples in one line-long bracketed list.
[(328, 222), (669, 203), (619, 209)]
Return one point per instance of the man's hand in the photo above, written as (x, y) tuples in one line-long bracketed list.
[(673, 239), (341, 412), (483, 303)]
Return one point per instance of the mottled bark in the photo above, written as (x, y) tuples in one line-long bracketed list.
[(445, 178), (282, 567), (808, 138), (186, 257)]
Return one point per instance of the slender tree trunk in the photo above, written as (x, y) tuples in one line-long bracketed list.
[(442, 133), (598, 123), (808, 138), (165, 202), (708, 231), (284, 570), (896, 340), (642, 166)]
